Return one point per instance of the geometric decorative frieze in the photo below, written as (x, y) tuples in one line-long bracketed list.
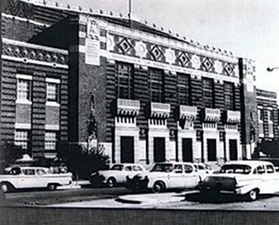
[(184, 59), (159, 110), (127, 107), (232, 117), (188, 113), (140, 48), (21, 9), (211, 115), (156, 53), (33, 52), (229, 69), (124, 45), (195, 60), (218, 67), (207, 64)]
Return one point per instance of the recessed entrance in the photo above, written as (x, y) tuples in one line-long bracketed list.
[(211, 149), (127, 150), (233, 149), (159, 150), (187, 150)]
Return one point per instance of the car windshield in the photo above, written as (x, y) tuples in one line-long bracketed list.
[(117, 167), (241, 169), (162, 167)]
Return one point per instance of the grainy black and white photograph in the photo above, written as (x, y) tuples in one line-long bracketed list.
[(130, 112)]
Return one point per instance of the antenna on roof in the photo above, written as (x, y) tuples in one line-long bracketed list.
[(130, 11)]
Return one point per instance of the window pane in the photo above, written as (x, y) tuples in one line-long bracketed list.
[(183, 89), (207, 86), (50, 141), (22, 138), (23, 89), (229, 95), (52, 92), (125, 85), (156, 85)]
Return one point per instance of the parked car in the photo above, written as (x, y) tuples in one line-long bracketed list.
[(165, 176), (116, 175), (244, 178), (32, 177), (203, 169)]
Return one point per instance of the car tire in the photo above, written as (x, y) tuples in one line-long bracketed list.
[(6, 187), (111, 182), (51, 187), (252, 195), (158, 187)]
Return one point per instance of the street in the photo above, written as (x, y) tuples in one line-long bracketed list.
[(99, 206), (120, 197)]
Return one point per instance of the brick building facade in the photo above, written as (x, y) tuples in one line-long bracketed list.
[(267, 115), (156, 96)]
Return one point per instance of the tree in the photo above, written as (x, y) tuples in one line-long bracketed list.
[(8, 154), (81, 161)]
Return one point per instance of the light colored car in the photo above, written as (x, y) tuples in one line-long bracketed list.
[(203, 169), (32, 177), (116, 175), (245, 178), (166, 175)]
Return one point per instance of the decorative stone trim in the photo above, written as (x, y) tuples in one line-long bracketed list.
[(232, 117), (210, 115), (127, 107), (188, 113), (159, 110)]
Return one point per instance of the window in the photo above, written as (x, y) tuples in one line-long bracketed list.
[(28, 171), (229, 95), (137, 168), (50, 141), (270, 123), (177, 169), (207, 90), (125, 81), (270, 169), (22, 139), (260, 114), (23, 90), (188, 169), (156, 85), (184, 89), (53, 92)]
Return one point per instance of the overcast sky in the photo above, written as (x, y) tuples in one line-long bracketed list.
[(248, 28)]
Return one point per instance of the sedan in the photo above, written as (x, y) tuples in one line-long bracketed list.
[(116, 175)]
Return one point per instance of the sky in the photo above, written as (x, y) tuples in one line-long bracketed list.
[(248, 28)]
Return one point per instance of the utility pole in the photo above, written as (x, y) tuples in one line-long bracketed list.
[(130, 12)]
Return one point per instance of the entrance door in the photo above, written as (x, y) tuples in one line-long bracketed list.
[(211, 149), (159, 150), (127, 149), (187, 150), (233, 149)]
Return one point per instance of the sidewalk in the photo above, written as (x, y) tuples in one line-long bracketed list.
[(152, 198)]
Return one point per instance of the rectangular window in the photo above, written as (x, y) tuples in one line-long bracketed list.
[(270, 123), (229, 95), (23, 90), (53, 92), (184, 97), (125, 81), (208, 93), (50, 141), (261, 124), (156, 85), (22, 138)]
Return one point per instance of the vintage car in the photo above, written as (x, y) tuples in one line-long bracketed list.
[(32, 177), (244, 178), (166, 175), (116, 175)]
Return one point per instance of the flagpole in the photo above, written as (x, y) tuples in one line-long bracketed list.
[(130, 11)]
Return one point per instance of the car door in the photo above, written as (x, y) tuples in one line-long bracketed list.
[(176, 178), (42, 178), (29, 180), (191, 176)]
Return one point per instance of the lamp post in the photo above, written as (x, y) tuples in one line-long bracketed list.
[(271, 69)]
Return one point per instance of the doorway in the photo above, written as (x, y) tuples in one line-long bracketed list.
[(127, 149), (187, 150), (159, 150)]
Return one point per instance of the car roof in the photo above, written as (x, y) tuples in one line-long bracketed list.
[(252, 163), (28, 167), (127, 164)]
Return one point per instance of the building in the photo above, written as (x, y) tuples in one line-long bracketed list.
[(267, 115), (156, 96)]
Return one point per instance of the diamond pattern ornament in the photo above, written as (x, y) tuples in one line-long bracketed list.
[(229, 69), (140, 49), (207, 65), (124, 45), (183, 59), (156, 53)]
